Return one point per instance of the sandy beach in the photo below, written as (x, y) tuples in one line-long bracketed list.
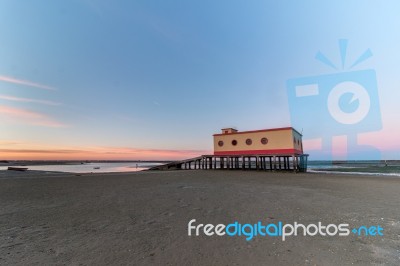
[(141, 218)]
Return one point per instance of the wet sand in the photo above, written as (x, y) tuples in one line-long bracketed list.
[(141, 218)]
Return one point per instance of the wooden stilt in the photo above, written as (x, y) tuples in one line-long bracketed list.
[(257, 162)]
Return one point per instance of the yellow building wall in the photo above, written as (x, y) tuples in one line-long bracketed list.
[(298, 144), (277, 140)]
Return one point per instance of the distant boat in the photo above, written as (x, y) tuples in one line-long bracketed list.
[(96, 167), (17, 168)]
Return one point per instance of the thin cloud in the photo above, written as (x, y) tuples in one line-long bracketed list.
[(32, 151), (122, 151), (25, 151), (25, 83), (28, 117), (5, 142), (27, 100)]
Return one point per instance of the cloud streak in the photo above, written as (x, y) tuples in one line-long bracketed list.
[(25, 83), (27, 100), (30, 151), (28, 117)]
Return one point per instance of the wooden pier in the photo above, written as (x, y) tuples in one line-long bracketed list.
[(289, 162)]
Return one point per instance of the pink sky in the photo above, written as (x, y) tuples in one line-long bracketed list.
[(18, 115), (14, 150), (384, 140)]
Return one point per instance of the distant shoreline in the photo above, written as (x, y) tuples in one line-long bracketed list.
[(71, 162), (372, 167)]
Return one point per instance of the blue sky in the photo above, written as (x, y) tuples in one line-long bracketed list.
[(162, 76)]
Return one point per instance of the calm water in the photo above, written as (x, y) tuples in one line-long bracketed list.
[(350, 167), (92, 167), (356, 167)]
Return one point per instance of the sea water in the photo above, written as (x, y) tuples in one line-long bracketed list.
[(93, 167), (391, 168)]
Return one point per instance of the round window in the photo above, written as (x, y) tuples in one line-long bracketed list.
[(249, 141), (234, 142), (264, 141), (220, 143)]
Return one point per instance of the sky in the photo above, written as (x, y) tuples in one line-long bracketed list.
[(86, 79)]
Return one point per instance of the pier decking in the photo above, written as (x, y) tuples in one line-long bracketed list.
[(289, 162)]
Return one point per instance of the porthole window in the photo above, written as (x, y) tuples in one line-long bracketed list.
[(249, 141), (264, 141), (234, 142), (220, 143)]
